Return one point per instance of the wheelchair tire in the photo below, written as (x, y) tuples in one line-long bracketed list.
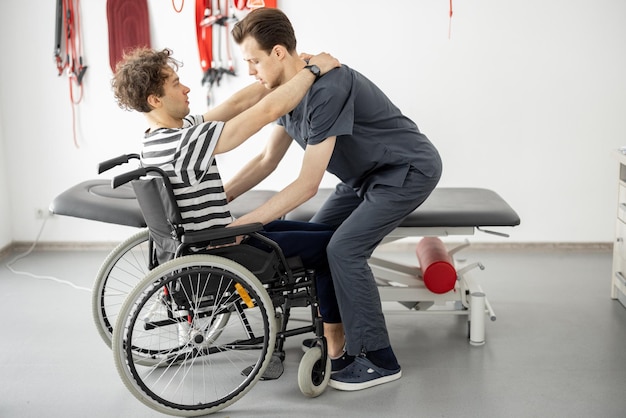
[(215, 320), (313, 377), (125, 266)]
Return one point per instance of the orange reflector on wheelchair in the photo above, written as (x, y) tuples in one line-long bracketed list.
[(244, 295)]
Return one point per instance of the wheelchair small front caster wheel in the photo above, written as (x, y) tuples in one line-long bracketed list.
[(313, 377)]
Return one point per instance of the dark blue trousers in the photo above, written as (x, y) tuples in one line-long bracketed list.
[(309, 241)]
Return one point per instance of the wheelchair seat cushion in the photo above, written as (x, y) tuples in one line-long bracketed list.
[(263, 264)]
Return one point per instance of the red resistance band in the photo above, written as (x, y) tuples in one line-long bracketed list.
[(450, 22), (213, 19), (178, 9), (68, 43), (204, 33)]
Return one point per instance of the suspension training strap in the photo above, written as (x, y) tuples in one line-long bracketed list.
[(217, 15), (58, 34), (204, 33)]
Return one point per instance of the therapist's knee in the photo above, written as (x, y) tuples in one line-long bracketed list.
[(343, 247)]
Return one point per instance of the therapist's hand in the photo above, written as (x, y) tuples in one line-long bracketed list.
[(324, 61)]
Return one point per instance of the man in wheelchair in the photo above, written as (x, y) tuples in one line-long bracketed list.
[(184, 147)]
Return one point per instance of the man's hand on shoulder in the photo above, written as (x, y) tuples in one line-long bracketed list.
[(324, 61)]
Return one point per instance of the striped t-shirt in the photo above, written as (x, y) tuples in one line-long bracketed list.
[(186, 155)]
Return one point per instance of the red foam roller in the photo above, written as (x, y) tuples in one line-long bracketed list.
[(436, 264)]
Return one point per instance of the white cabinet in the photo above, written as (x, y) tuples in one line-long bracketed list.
[(618, 281)]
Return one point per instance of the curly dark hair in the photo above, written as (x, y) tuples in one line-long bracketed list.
[(139, 74), (269, 27)]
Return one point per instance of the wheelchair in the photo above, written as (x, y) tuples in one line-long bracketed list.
[(208, 319), (122, 269)]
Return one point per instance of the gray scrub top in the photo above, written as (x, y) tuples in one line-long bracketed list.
[(376, 143)]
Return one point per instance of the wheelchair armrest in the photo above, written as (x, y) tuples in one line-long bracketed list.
[(126, 177), (114, 162), (220, 236)]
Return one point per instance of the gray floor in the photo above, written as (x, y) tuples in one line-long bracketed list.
[(557, 349)]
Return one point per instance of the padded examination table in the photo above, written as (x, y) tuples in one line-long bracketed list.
[(448, 211), (97, 201)]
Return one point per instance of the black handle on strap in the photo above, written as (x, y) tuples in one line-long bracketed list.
[(58, 29)]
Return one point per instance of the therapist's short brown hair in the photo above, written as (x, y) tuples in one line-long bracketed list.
[(269, 27)]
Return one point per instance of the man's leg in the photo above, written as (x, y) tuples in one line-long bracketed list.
[(338, 206), (309, 241), (382, 210), (335, 339)]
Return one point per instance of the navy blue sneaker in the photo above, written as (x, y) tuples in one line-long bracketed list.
[(308, 344), (362, 374), (336, 364)]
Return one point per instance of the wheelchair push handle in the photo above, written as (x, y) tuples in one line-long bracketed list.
[(114, 162), (138, 173)]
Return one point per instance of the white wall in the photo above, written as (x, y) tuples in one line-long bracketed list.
[(526, 98), (5, 207)]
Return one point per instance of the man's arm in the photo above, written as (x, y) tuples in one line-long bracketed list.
[(261, 166), (279, 102), (316, 159), (237, 103)]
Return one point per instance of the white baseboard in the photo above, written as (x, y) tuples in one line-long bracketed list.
[(21, 246), (400, 246)]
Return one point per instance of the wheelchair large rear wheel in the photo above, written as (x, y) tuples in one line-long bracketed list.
[(198, 321), (123, 268)]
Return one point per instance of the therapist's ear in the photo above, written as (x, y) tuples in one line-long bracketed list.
[(279, 52)]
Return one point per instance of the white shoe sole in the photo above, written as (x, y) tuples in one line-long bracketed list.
[(360, 386)]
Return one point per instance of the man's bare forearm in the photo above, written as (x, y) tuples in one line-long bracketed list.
[(237, 103), (248, 177)]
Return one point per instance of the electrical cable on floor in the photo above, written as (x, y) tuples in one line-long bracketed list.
[(9, 265)]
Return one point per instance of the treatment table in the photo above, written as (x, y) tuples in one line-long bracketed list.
[(448, 211)]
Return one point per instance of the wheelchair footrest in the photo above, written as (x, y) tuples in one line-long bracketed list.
[(274, 369)]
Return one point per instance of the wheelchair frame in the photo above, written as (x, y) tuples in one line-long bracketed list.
[(186, 329)]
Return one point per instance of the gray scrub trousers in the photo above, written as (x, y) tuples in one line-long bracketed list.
[(387, 168)]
